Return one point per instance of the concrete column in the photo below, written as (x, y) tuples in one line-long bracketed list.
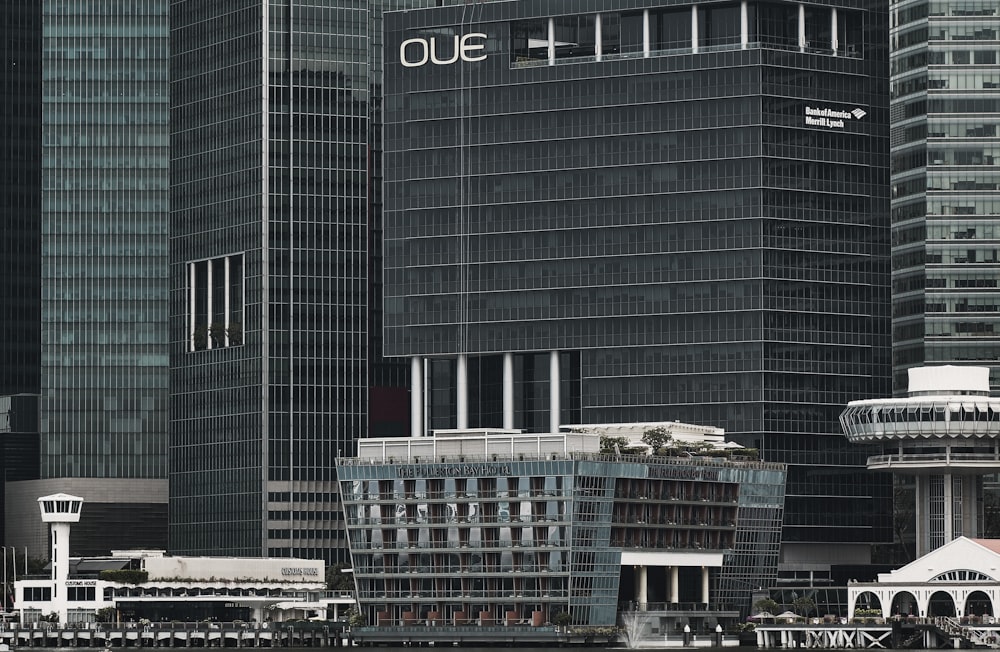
[(598, 43), (674, 585), (191, 305), (552, 41), (462, 391), (554, 392), (704, 584), (416, 396), (802, 28), (645, 33), (694, 28), (744, 25), (508, 390), (641, 587), (834, 35), (208, 266)]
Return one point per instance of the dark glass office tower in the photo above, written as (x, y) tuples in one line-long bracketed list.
[(274, 216), (637, 211), (945, 148), (85, 220), (20, 246)]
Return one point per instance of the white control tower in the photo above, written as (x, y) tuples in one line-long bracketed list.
[(946, 433), (60, 511)]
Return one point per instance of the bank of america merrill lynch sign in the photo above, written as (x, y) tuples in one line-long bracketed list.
[(831, 118), (416, 52)]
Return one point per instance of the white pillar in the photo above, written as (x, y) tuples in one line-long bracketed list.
[(704, 584), (462, 391), (745, 25), (208, 266), (60, 567), (552, 41), (834, 35), (641, 587), (645, 32), (416, 397), (674, 585), (598, 42), (508, 390), (225, 302), (694, 28), (802, 28), (554, 392), (191, 305)]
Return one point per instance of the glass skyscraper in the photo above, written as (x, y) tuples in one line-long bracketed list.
[(275, 218), (642, 211), (945, 206), (88, 230)]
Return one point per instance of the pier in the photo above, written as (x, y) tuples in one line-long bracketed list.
[(178, 635), (924, 633)]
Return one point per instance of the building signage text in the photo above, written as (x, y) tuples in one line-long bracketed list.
[(299, 571), (416, 52), (683, 473), (831, 118), (81, 583), (455, 471)]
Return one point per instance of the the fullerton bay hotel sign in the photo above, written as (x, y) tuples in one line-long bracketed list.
[(824, 116)]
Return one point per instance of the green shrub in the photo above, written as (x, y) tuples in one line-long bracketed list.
[(124, 576)]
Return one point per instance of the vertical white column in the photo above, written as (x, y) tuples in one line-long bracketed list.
[(642, 587), (674, 585), (554, 392), (598, 42), (694, 28), (552, 41), (191, 305), (508, 391), (416, 396), (802, 28), (744, 25), (225, 303), (60, 567), (208, 265), (645, 32), (704, 584), (834, 34), (462, 391)]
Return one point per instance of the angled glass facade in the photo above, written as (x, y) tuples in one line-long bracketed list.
[(945, 225), (514, 538), (692, 200)]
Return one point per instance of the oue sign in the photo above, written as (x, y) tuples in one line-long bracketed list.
[(416, 52)]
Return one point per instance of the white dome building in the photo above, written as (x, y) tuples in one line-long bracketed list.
[(946, 433)]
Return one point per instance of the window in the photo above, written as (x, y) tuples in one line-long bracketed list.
[(37, 594), (215, 303), (81, 593)]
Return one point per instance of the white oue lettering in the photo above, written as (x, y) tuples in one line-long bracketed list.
[(461, 49), (466, 47), (402, 52)]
